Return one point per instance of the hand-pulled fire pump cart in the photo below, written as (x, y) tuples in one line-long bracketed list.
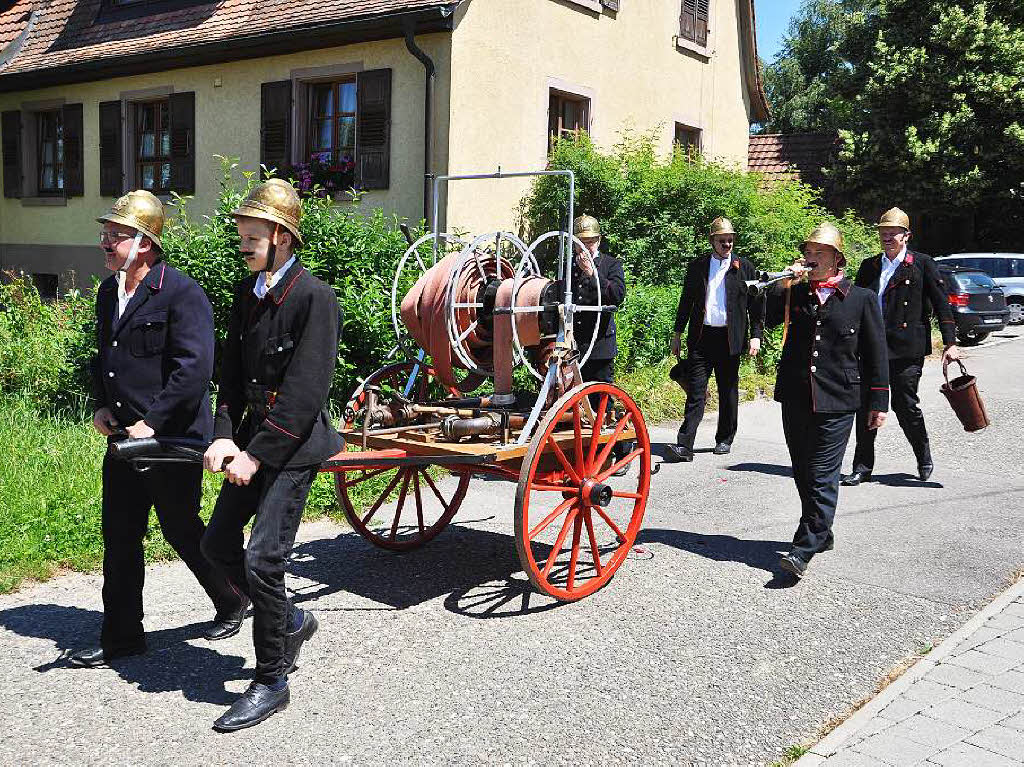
[(477, 308), (416, 434)]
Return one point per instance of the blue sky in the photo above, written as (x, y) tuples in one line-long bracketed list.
[(772, 20)]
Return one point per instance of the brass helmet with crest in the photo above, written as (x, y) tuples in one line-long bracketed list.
[(141, 210), (274, 200), (826, 233), (721, 225), (586, 226), (894, 217)]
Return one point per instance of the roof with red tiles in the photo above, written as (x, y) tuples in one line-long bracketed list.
[(78, 32), (792, 156)]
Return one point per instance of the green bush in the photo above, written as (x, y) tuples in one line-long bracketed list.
[(356, 254), (655, 215), (45, 347)]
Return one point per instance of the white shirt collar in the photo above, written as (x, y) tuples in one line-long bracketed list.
[(899, 256), (263, 283)]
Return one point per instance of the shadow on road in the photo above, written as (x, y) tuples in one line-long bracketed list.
[(762, 555), (775, 469), (171, 664), (902, 480), (476, 571)]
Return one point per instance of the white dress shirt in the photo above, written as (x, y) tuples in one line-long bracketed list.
[(263, 283), (714, 304), (888, 267), (122, 297)]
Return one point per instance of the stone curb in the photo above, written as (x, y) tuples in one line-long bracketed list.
[(832, 742)]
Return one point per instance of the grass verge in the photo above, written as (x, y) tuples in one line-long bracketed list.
[(50, 481)]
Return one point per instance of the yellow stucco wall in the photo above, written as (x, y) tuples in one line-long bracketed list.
[(227, 123), (505, 59)]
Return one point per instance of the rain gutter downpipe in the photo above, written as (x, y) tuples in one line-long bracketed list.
[(428, 114)]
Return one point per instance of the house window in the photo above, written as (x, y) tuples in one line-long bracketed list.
[(332, 129), (687, 139), (693, 21), (153, 146), (46, 285), (50, 152), (568, 115)]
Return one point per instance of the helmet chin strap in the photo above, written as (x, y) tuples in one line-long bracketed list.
[(122, 273), (271, 253)]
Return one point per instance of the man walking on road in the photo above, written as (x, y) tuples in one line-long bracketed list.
[(833, 359), (150, 376), (272, 431), (908, 289), (717, 307)]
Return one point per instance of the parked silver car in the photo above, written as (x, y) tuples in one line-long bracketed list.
[(1005, 269)]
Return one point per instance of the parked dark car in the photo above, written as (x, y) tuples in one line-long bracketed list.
[(979, 305)]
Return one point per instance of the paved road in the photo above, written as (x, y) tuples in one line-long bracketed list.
[(693, 654)]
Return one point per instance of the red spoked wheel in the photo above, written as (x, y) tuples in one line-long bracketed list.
[(394, 379), (399, 508), (575, 522)]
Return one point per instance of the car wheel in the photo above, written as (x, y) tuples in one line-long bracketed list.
[(1016, 312)]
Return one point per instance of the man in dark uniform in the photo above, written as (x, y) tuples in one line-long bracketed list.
[(908, 289), (833, 359), (272, 431), (601, 364), (151, 376), (718, 308)]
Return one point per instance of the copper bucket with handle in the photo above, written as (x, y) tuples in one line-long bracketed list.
[(963, 396)]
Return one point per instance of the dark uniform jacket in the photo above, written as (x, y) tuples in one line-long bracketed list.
[(741, 309), (155, 362), (613, 292), (834, 358), (913, 293), (276, 373)]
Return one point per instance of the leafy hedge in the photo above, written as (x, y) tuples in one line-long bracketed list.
[(655, 213)]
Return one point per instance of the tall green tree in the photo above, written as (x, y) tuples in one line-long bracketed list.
[(937, 119), (810, 82)]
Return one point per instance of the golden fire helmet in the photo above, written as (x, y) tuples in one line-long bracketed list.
[(721, 225), (826, 234), (894, 217), (586, 226), (274, 200), (142, 211)]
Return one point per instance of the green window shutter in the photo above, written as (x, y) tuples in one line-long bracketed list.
[(373, 129), (10, 126), (276, 125), (74, 173), (183, 142), (111, 136)]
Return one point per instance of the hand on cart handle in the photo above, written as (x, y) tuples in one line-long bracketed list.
[(220, 454)]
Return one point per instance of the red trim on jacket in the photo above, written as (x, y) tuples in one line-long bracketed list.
[(283, 431)]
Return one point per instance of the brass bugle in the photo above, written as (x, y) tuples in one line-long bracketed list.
[(766, 279)]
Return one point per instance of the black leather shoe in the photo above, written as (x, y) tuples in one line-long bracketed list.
[(793, 564), (293, 642), (94, 657), (855, 478), (722, 448), (256, 705), (924, 471), (227, 624), (679, 453)]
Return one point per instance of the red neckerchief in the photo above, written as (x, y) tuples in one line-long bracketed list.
[(831, 282)]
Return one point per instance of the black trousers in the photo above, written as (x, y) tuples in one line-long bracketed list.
[(711, 354), (128, 495), (816, 442), (276, 499), (904, 378)]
